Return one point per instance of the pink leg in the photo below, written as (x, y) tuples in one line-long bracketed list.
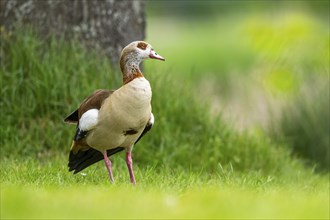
[(129, 163), (108, 165)]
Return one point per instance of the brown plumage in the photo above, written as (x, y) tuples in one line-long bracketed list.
[(93, 101)]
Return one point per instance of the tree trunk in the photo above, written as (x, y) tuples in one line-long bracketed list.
[(105, 24)]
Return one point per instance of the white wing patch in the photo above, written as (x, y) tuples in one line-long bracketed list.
[(88, 120), (152, 119)]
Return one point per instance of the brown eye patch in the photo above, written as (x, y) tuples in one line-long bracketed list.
[(142, 45)]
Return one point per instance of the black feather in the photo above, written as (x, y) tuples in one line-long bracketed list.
[(130, 132), (146, 129), (73, 117), (80, 134), (83, 159)]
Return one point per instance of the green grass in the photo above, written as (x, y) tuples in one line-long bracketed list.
[(305, 126), (105, 202), (192, 164), (43, 189)]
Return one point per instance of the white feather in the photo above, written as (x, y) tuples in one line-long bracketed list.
[(88, 120), (152, 119)]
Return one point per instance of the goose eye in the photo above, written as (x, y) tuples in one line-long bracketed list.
[(153, 51)]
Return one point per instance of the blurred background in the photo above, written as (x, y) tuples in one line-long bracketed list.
[(263, 65)]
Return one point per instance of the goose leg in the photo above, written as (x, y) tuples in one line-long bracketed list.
[(108, 165), (129, 163)]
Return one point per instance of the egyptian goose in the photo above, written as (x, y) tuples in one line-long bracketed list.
[(111, 121)]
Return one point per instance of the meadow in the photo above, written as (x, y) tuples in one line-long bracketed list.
[(241, 127)]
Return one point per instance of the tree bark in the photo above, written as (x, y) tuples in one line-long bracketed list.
[(105, 24)]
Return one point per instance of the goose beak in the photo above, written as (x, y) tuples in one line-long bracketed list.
[(154, 55)]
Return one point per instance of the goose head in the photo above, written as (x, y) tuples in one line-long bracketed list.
[(133, 54)]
